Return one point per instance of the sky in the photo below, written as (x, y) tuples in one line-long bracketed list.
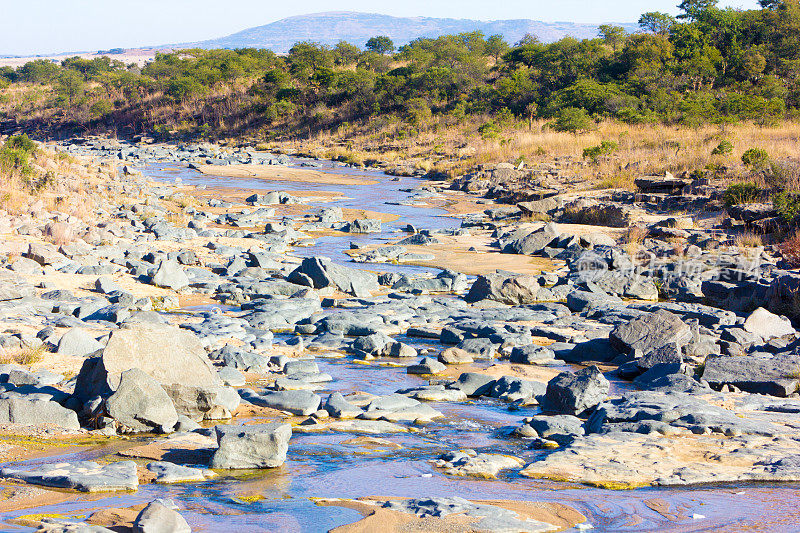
[(53, 26)]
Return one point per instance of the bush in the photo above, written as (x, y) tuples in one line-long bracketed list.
[(787, 205), (489, 130), (755, 157), (742, 193), (723, 148), (22, 142), (573, 120), (604, 148), (15, 156)]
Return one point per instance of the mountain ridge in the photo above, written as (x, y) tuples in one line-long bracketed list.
[(356, 28)]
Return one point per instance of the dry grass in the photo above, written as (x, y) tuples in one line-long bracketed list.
[(748, 239), (650, 149), (23, 356)]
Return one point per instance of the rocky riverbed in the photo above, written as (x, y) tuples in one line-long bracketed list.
[(205, 351)]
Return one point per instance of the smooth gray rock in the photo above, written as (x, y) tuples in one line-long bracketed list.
[(84, 476), (140, 404), (297, 402), (760, 373), (78, 342), (159, 518), (578, 393), (531, 354), (170, 275), (34, 412), (174, 357), (338, 407), (172, 473), (651, 331), (474, 384), (768, 325), (427, 365), (255, 446), (511, 289), (324, 273), (532, 242)]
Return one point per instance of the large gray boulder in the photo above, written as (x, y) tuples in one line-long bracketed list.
[(174, 357), (34, 412), (365, 225), (248, 447), (767, 325), (651, 331), (760, 373), (508, 288), (78, 342), (170, 275), (324, 273), (578, 393), (527, 242), (160, 516), (140, 404)]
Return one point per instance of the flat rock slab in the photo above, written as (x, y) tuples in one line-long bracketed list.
[(626, 460), (171, 473), (84, 476), (482, 465)]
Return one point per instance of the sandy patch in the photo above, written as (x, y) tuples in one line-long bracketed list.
[(388, 521), (528, 372)]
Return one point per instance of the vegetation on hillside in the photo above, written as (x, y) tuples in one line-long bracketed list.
[(709, 65)]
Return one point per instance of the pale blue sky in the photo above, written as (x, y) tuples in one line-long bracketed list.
[(49, 26)]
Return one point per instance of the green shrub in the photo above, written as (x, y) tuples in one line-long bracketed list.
[(787, 205), (22, 142), (15, 156), (604, 148), (573, 120), (755, 157), (489, 130), (723, 148), (742, 193)]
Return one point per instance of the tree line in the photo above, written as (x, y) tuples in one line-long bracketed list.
[(707, 65)]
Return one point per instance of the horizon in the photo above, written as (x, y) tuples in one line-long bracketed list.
[(48, 34)]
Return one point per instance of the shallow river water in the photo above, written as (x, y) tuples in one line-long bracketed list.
[(325, 465)]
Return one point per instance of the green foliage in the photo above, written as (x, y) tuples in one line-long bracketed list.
[(742, 193), (604, 148), (787, 205), (755, 158), (15, 156), (380, 45), (725, 147), (573, 120), (710, 66), (489, 130)]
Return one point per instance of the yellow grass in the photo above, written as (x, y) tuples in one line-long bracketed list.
[(643, 149)]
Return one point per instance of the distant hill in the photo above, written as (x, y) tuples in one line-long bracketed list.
[(329, 28)]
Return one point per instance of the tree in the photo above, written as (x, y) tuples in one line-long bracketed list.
[(573, 120), (496, 47), (527, 39), (69, 86), (345, 54), (380, 44), (656, 22), (614, 36), (692, 9)]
